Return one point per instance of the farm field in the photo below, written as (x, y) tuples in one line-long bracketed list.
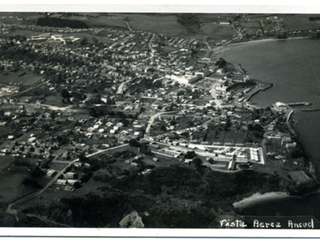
[(11, 186), (26, 80)]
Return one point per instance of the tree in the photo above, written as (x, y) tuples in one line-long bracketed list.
[(173, 122), (134, 143), (95, 40), (227, 125), (93, 112), (190, 154), (84, 41), (83, 158), (37, 172), (197, 162), (163, 128), (65, 93), (31, 183)]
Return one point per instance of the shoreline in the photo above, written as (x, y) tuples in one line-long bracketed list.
[(238, 44), (260, 89), (258, 197)]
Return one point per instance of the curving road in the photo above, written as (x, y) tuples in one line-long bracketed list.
[(154, 117), (130, 29)]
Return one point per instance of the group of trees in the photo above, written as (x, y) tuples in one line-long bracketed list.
[(190, 21), (61, 23), (166, 185)]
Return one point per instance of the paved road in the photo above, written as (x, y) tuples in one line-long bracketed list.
[(214, 95), (120, 89), (154, 117), (208, 45), (13, 211), (150, 45), (130, 29)]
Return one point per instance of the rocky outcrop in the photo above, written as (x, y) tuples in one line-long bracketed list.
[(132, 220)]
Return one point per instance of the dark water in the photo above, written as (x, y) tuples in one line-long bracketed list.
[(294, 67), (288, 206)]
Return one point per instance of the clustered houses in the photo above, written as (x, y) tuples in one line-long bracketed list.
[(127, 55), (133, 82)]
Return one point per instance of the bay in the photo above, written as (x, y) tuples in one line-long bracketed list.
[(294, 67)]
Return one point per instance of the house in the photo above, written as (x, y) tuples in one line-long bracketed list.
[(69, 188), (8, 114), (134, 164), (61, 182), (78, 164), (73, 182), (71, 175), (10, 137), (225, 23), (51, 172), (32, 139), (291, 145)]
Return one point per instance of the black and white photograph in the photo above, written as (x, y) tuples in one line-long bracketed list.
[(159, 120)]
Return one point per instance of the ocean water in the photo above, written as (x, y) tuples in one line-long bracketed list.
[(294, 67)]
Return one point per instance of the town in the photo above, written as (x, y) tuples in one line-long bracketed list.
[(91, 104)]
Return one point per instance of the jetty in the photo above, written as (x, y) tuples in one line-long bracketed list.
[(310, 110), (299, 104)]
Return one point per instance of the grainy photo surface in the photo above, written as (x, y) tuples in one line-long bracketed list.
[(159, 120)]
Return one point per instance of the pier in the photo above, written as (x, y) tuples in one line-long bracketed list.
[(299, 104), (310, 110)]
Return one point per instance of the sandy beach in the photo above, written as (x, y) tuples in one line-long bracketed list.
[(257, 197)]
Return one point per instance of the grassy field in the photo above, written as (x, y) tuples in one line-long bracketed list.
[(163, 24), (241, 136), (104, 20), (11, 186), (299, 22), (5, 161), (53, 195), (213, 137), (217, 31), (54, 100), (158, 23), (230, 136), (251, 27), (26, 80), (58, 166)]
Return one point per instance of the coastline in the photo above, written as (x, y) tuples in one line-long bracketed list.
[(238, 44), (258, 197), (311, 161), (260, 89)]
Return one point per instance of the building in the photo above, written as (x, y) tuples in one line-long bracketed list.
[(232, 163), (71, 175), (61, 182), (73, 182), (51, 173), (165, 152)]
